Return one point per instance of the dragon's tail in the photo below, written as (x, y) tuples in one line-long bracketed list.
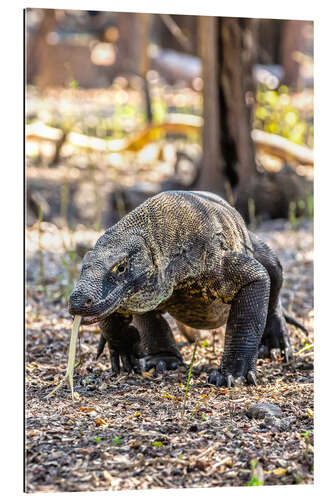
[(293, 321)]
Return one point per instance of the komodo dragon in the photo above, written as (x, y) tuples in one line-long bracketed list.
[(188, 254)]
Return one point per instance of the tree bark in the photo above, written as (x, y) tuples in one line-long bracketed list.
[(36, 44), (132, 56), (236, 82), (132, 43), (227, 48), (212, 176), (292, 41), (188, 25)]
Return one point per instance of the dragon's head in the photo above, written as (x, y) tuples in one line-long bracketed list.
[(123, 273)]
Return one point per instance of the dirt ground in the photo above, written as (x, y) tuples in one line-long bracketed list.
[(128, 433)]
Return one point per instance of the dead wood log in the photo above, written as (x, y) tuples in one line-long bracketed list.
[(283, 148), (175, 123)]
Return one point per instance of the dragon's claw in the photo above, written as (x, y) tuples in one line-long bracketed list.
[(218, 378), (229, 380), (161, 363), (251, 377), (275, 340)]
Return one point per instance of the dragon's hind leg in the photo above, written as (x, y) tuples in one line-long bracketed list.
[(191, 334), (275, 335)]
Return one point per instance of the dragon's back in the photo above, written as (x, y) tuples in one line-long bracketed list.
[(174, 218)]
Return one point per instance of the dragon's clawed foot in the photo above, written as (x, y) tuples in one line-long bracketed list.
[(275, 340), (161, 363), (236, 369), (129, 362), (124, 350), (219, 379), (265, 351)]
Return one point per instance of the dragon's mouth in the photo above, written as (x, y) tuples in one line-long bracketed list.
[(89, 320), (100, 310)]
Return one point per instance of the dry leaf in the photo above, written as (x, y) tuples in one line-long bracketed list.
[(280, 471), (137, 414), (100, 421), (107, 476), (170, 396)]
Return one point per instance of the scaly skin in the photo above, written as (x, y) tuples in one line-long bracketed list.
[(191, 255)]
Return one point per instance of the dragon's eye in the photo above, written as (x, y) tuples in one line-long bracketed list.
[(120, 267)]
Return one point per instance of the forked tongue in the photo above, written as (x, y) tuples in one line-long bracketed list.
[(71, 358)]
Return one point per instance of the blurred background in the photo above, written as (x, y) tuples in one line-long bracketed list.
[(121, 106)]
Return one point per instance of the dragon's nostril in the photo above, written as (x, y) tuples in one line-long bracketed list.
[(88, 302)]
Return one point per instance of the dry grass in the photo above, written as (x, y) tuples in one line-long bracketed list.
[(127, 433)]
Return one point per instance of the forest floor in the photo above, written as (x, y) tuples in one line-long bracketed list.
[(128, 432)]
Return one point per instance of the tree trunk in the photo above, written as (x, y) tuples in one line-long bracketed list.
[(35, 45), (132, 43), (212, 176), (227, 47), (269, 41), (132, 56), (292, 41)]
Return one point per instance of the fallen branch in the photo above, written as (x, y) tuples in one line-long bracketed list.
[(175, 123), (280, 146), (96, 143), (41, 132)]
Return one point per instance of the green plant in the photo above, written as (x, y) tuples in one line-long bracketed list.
[(74, 84), (117, 440), (189, 378), (159, 110), (255, 481), (64, 199), (306, 436), (252, 212), (309, 202), (293, 219), (275, 113), (158, 444), (40, 248), (69, 262), (305, 348), (98, 206), (301, 205)]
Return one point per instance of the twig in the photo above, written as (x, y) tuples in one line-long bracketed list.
[(176, 31), (306, 348), (214, 333), (207, 451), (40, 247), (120, 203)]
